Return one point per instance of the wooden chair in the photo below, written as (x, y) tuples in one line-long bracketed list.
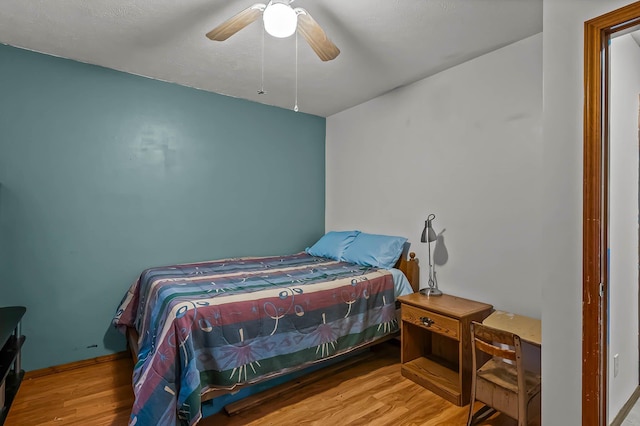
[(500, 385)]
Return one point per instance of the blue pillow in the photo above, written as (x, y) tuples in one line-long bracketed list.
[(382, 251), (332, 244)]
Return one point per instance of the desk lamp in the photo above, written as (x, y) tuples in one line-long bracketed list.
[(428, 236)]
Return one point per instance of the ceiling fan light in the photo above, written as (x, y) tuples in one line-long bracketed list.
[(280, 20)]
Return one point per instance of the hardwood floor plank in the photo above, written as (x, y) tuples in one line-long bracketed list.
[(74, 365), (372, 392), (96, 393)]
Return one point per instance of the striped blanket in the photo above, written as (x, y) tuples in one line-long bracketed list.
[(218, 324)]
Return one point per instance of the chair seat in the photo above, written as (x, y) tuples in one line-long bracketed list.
[(505, 375)]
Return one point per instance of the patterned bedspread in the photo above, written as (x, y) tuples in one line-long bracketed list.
[(215, 325)]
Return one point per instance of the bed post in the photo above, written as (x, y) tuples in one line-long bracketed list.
[(411, 270)]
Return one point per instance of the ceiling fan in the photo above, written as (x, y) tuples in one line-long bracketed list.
[(280, 20)]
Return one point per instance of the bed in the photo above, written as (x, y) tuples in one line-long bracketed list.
[(201, 328)]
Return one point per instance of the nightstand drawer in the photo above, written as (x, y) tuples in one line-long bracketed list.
[(430, 320)]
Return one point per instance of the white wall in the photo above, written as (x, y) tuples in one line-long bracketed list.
[(561, 276), (464, 144), (623, 221)]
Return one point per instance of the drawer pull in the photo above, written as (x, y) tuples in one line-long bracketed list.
[(426, 321)]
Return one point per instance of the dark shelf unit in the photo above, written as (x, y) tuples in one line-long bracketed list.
[(11, 339)]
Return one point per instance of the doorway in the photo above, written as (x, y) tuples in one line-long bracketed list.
[(622, 248), (595, 313)]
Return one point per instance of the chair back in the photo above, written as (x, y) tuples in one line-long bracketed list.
[(492, 341)]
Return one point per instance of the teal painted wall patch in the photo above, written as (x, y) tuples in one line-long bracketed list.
[(104, 174)]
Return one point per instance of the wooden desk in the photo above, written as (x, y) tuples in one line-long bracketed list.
[(529, 329)]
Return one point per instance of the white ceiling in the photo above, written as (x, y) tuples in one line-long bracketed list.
[(385, 44)]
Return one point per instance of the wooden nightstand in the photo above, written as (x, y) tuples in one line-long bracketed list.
[(436, 347)]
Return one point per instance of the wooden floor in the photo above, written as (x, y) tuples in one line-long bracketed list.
[(370, 393)]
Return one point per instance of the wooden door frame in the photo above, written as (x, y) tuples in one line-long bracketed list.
[(597, 33)]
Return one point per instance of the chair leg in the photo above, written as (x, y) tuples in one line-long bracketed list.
[(470, 418), (472, 401), (482, 414)]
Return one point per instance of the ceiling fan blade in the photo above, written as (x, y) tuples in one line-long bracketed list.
[(315, 36), (236, 23)]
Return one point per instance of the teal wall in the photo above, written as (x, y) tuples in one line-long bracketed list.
[(103, 174)]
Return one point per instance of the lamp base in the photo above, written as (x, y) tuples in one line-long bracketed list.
[(431, 291)]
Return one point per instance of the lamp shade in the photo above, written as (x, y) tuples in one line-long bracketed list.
[(280, 20), (428, 234)]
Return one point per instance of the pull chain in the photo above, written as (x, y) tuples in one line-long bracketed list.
[(261, 91), (295, 107)]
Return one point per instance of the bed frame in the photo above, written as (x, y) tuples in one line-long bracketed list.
[(409, 266)]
